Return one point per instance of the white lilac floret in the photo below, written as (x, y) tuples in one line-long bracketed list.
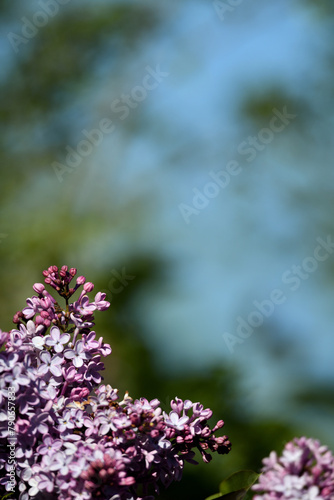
[(73, 438)]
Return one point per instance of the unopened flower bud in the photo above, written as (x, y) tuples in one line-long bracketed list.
[(81, 280), (39, 287), (218, 425), (88, 287), (39, 320), (17, 316), (103, 474)]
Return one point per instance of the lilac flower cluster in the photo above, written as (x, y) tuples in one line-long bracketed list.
[(74, 438), (304, 471)]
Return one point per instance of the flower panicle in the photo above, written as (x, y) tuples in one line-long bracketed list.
[(45, 311), (74, 436), (304, 471)]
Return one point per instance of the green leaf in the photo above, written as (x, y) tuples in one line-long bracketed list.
[(235, 487), (241, 480), (235, 495), (213, 497)]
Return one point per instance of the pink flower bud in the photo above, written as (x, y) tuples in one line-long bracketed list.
[(73, 271), (88, 287), (81, 280), (218, 425), (16, 318), (103, 474), (39, 287)]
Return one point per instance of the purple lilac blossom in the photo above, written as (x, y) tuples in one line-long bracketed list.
[(57, 339), (73, 438), (304, 471)]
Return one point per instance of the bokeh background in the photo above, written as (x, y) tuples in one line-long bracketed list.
[(181, 272)]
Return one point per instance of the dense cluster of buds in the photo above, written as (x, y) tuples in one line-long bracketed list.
[(74, 438), (305, 471)]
